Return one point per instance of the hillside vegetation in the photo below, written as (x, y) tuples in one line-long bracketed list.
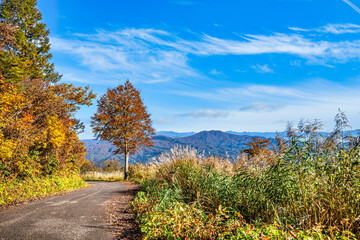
[(307, 189), (39, 148)]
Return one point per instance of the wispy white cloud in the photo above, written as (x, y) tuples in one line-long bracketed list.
[(299, 29), (164, 120), (152, 55), (253, 106), (340, 28), (261, 106), (136, 54), (314, 91), (331, 28), (262, 68), (281, 44), (215, 72), (208, 113), (246, 95), (352, 5), (260, 91)]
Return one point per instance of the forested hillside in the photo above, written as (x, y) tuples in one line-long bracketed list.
[(38, 131)]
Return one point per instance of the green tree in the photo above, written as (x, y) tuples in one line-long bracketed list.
[(122, 119), (13, 68), (32, 38)]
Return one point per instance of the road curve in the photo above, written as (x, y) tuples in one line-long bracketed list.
[(77, 215)]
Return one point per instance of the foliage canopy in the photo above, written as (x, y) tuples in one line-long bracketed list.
[(122, 119), (38, 131)]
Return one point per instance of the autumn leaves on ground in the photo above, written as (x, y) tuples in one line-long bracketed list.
[(307, 186)]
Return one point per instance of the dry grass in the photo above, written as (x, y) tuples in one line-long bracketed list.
[(303, 190), (103, 176)]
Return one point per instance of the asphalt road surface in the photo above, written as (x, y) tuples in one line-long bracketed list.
[(77, 215)]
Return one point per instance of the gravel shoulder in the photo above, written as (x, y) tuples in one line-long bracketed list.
[(99, 212)]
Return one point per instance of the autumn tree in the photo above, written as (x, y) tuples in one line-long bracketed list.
[(257, 146), (38, 129), (122, 119)]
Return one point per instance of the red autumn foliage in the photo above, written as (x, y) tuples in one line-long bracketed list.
[(122, 119)]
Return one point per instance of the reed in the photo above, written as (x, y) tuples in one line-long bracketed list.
[(309, 187)]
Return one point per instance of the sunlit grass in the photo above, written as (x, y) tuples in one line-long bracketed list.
[(191, 198), (15, 190), (308, 189), (103, 176)]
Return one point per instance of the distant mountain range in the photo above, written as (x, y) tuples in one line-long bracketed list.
[(215, 143), (186, 134), (259, 134), (252, 134), (174, 134)]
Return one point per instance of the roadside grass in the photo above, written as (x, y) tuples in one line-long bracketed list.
[(308, 189), (15, 190), (103, 176), (166, 218)]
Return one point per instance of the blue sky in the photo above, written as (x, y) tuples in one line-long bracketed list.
[(223, 65)]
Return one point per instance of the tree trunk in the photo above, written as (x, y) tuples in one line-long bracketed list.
[(126, 170)]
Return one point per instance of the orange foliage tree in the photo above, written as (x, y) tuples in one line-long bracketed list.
[(122, 119), (257, 146), (38, 131)]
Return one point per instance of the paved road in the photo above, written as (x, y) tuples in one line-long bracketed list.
[(77, 215)]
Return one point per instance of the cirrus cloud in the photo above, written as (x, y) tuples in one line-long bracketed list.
[(331, 28), (261, 106), (262, 68), (208, 113), (152, 55)]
